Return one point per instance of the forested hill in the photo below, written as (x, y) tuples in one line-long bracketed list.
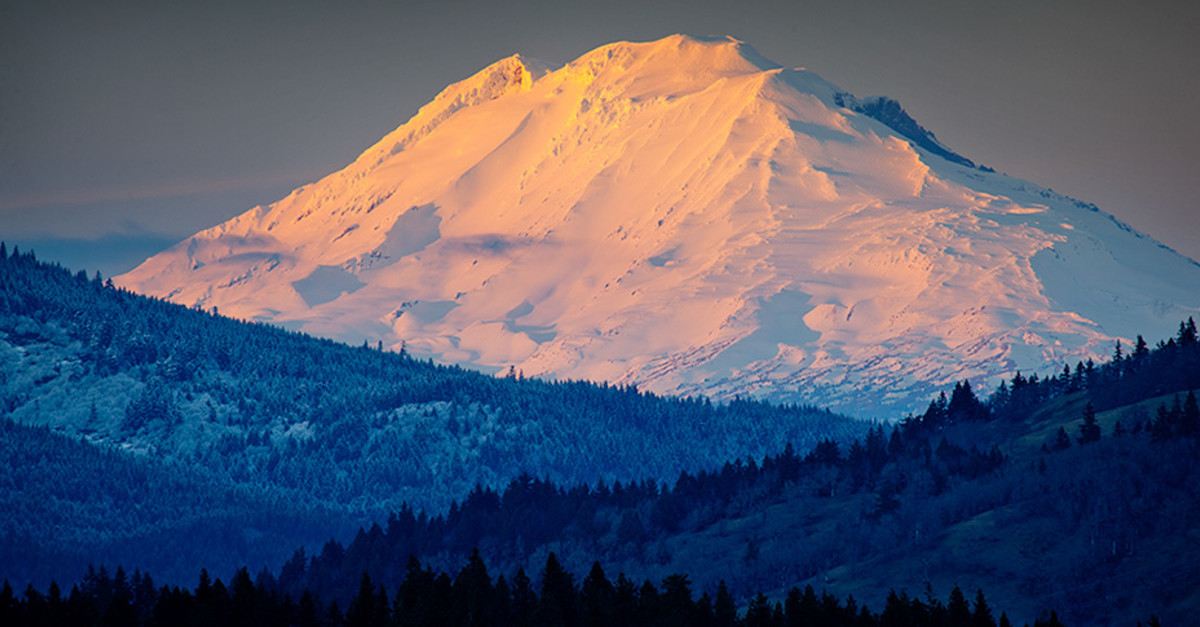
[(314, 430), (1077, 493)]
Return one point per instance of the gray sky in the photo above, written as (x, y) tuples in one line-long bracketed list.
[(127, 126)]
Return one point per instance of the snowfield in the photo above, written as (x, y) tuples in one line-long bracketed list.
[(688, 216)]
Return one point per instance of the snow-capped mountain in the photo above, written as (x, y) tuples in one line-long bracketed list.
[(686, 215)]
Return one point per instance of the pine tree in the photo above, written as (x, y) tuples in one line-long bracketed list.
[(1162, 428), (1062, 441), (556, 604), (981, 615), (759, 613), (963, 405), (958, 611), (473, 600), (1140, 350), (1089, 431), (366, 610), (524, 600), (1189, 418), (724, 609), (676, 602), (596, 597), (1187, 332)]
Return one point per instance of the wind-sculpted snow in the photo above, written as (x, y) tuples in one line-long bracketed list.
[(688, 216)]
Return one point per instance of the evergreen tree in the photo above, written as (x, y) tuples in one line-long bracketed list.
[(724, 609), (243, 600), (596, 597), (963, 405), (1062, 441), (307, 612), (625, 610), (1089, 431), (759, 614), (524, 599), (556, 603), (648, 605), (981, 614), (1163, 426), (367, 609), (1189, 419), (676, 607), (958, 611), (120, 606), (1187, 332), (1140, 349), (473, 599)]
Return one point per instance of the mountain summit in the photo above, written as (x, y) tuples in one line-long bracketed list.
[(688, 216)]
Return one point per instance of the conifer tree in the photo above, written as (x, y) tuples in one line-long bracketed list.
[(365, 609), (676, 606), (1062, 441), (724, 610), (1189, 419), (1089, 431), (981, 614), (958, 612), (1187, 332), (596, 597), (524, 600), (759, 613), (556, 604), (473, 600), (1140, 349)]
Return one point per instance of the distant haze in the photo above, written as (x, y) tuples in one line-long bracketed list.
[(127, 126)]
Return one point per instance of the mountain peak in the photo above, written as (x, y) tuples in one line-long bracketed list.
[(682, 52), (513, 74), (685, 215)]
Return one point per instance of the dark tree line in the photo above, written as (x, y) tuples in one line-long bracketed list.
[(1173, 365), (471, 597), (612, 518), (617, 517)]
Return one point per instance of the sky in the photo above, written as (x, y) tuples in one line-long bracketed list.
[(128, 126)]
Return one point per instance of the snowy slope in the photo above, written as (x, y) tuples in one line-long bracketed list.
[(689, 216)]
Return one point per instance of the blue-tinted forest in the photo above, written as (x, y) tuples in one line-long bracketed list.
[(247, 449), (130, 421)]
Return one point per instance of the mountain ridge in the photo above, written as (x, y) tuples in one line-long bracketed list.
[(687, 216), (128, 422)]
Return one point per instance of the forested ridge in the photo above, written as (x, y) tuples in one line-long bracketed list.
[(296, 439), (1059, 492), (1077, 492)]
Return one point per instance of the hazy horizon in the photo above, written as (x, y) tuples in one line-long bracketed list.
[(128, 128)]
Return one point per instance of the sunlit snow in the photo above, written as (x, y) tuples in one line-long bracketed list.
[(689, 216)]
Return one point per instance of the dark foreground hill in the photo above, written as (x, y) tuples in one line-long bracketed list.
[(1078, 493), (170, 438)]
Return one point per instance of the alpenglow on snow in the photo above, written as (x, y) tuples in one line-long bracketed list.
[(688, 216)]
